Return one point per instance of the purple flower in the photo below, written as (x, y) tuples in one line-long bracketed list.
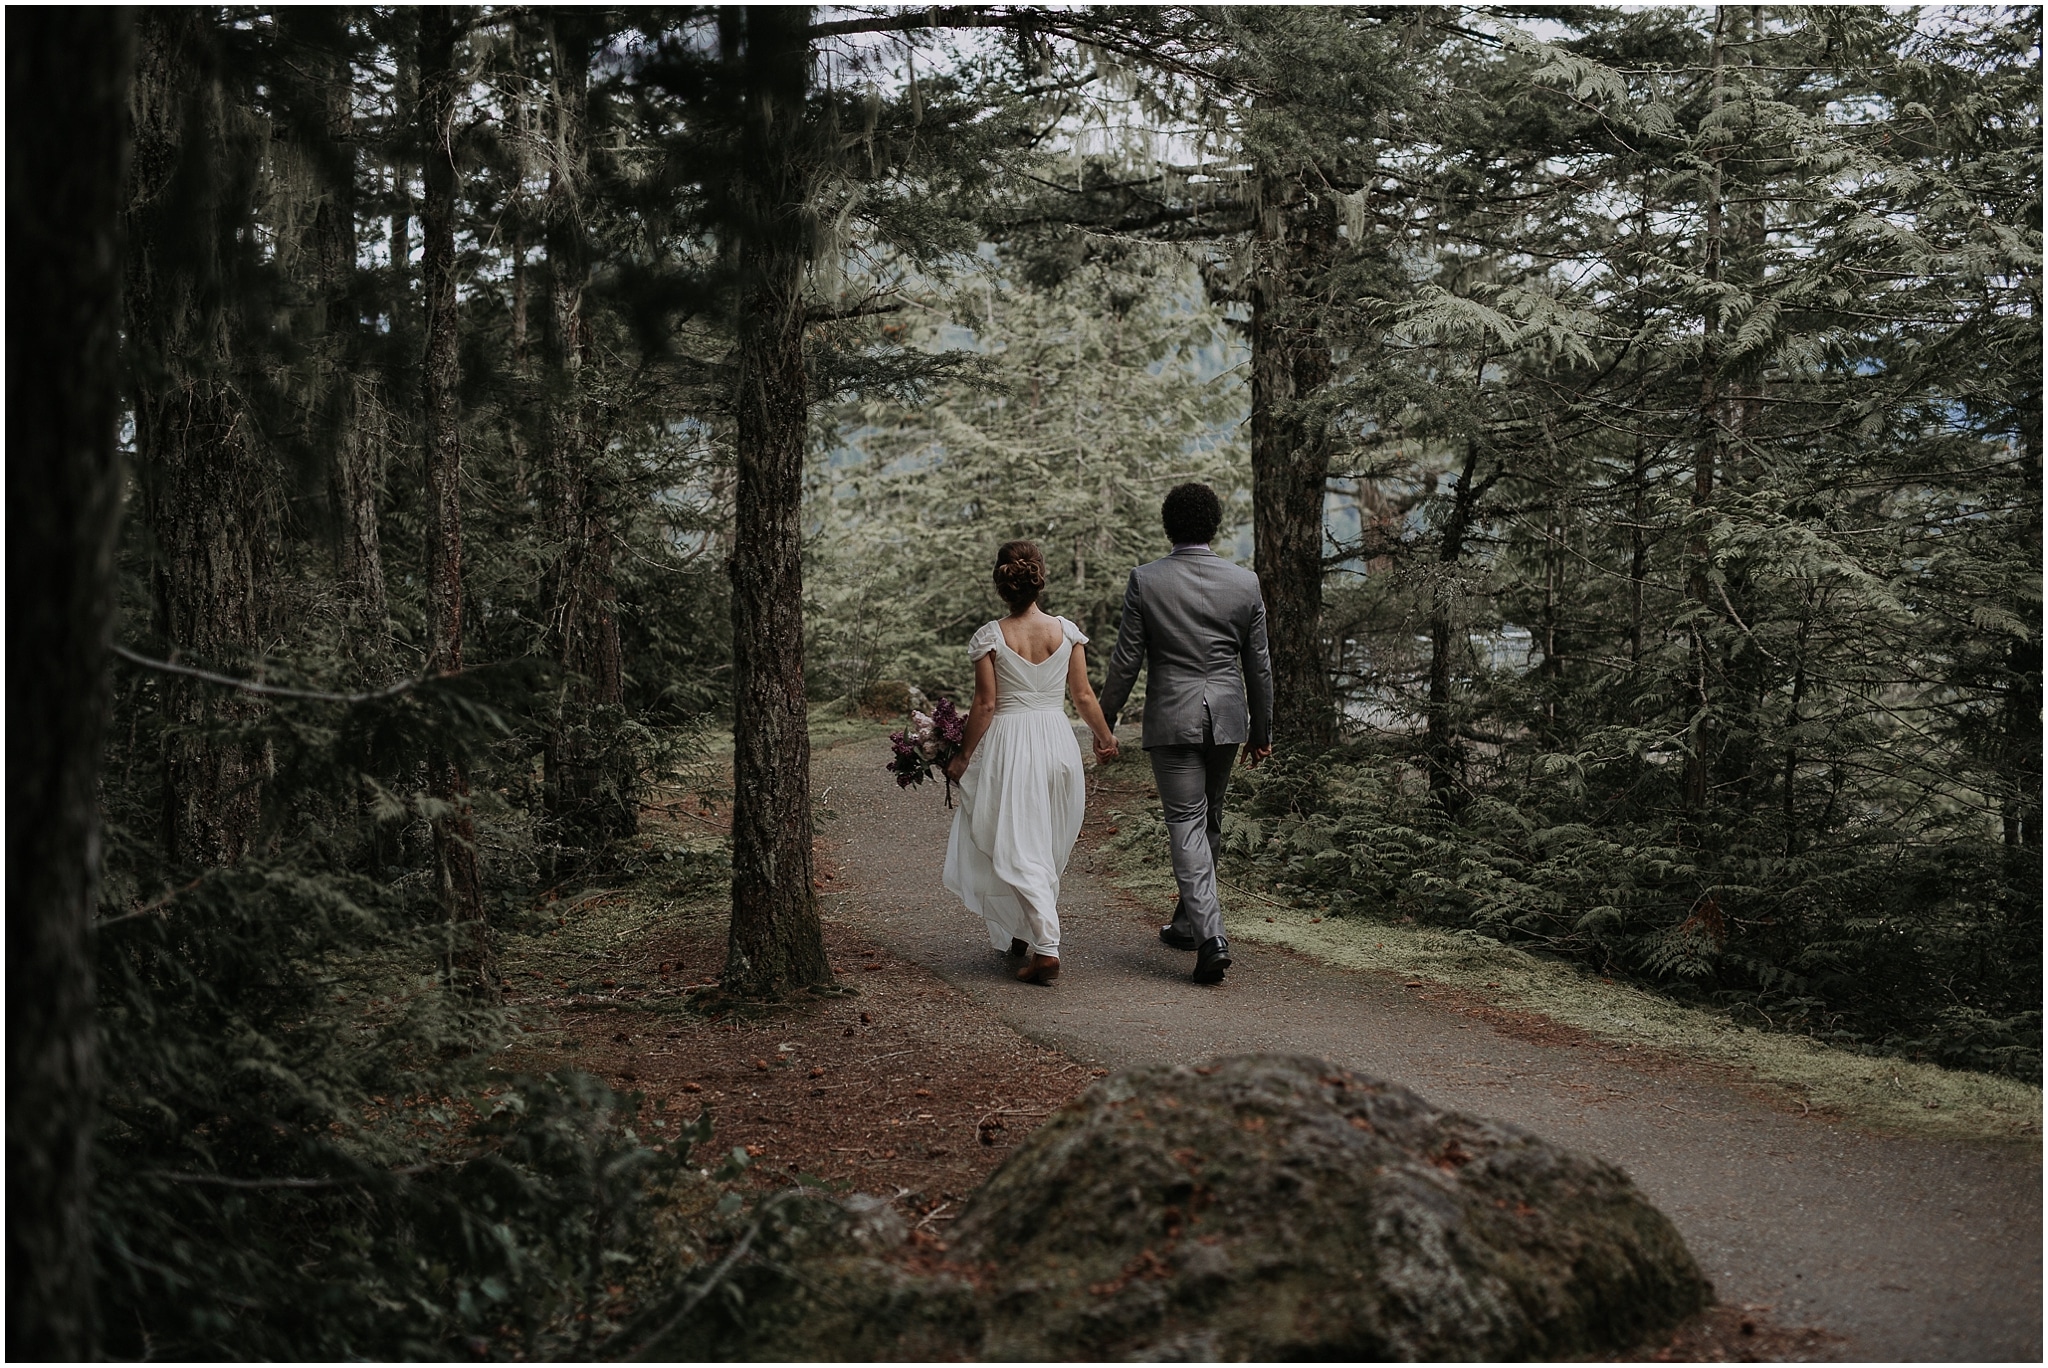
[(923, 749)]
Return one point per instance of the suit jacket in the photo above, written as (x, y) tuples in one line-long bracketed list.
[(1198, 624)]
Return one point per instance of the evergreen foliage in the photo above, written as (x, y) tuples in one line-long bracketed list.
[(1682, 518), (1097, 395), (1636, 415)]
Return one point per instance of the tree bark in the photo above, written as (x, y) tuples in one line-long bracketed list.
[(1290, 456), (590, 775), (358, 493), (68, 72), (209, 497), (776, 942), (349, 410), (2021, 713), (405, 91), (1445, 758), (470, 961), (1700, 731)]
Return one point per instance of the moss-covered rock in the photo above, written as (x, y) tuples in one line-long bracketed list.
[(1275, 1206), (826, 1279), (1260, 1207)]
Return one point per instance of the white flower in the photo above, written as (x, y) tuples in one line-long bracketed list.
[(929, 750), (921, 723)]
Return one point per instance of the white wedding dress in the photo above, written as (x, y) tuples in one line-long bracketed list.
[(1021, 798)]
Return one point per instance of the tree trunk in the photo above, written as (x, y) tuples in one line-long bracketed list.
[(358, 493), (1639, 478), (67, 77), (776, 942), (1445, 758), (1790, 797), (405, 92), (208, 495), (455, 857), (1700, 732), (590, 770), (1639, 547), (349, 410), (1556, 540), (2022, 725), (2021, 714), (1291, 459)]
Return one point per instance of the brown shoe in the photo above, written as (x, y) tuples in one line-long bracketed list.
[(1019, 949), (1042, 970)]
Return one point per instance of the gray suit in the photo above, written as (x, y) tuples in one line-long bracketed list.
[(1198, 624)]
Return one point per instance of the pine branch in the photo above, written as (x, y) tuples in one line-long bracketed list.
[(276, 690), (857, 311), (222, 1180)]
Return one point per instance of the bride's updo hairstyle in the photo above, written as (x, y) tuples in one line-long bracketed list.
[(1020, 574)]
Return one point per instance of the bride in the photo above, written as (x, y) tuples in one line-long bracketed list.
[(1019, 768)]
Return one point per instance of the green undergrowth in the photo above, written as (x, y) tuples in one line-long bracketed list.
[(587, 942), (585, 937), (1882, 1093), (831, 726)]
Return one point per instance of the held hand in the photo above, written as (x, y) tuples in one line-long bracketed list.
[(1254, 754), (956, 767), (1106, 750)]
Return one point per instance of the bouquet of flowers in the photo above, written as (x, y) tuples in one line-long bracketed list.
[(927, 745)]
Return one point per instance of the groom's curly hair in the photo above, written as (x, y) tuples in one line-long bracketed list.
[(1192, 513), (1020, 574)]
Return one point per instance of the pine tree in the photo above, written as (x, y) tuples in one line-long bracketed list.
[(763, 154), (1097, 395), (1288, 108), (590, 775), (455, 851), (344, 409), (209, 488)]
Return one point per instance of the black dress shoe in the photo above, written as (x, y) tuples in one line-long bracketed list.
[(1176, 939), (1211, 959)]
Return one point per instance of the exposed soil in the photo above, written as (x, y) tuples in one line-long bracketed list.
[(900, 1086), (1744, 1334)]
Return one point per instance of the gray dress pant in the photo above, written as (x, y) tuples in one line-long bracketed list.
[(1192, 781)]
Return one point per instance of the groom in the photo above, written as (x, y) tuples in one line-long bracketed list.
[(1197, 623)]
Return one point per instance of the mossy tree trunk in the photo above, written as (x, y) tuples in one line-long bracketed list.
[(776, 942), (349, 405), (590, 772), (68, 71), (1701, 732), (1444, 755), (470, 961), (2020, 717), (1290, 456), (208, 495)]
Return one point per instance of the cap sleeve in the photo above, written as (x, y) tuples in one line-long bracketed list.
[(1074, 634), (982, 642)]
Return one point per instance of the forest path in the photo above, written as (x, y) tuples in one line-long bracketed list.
[(1907, 1249)]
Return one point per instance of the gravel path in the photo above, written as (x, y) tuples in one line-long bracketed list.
[(1906, 1249)]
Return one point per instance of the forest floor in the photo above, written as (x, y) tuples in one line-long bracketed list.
[(1826, 1236)]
